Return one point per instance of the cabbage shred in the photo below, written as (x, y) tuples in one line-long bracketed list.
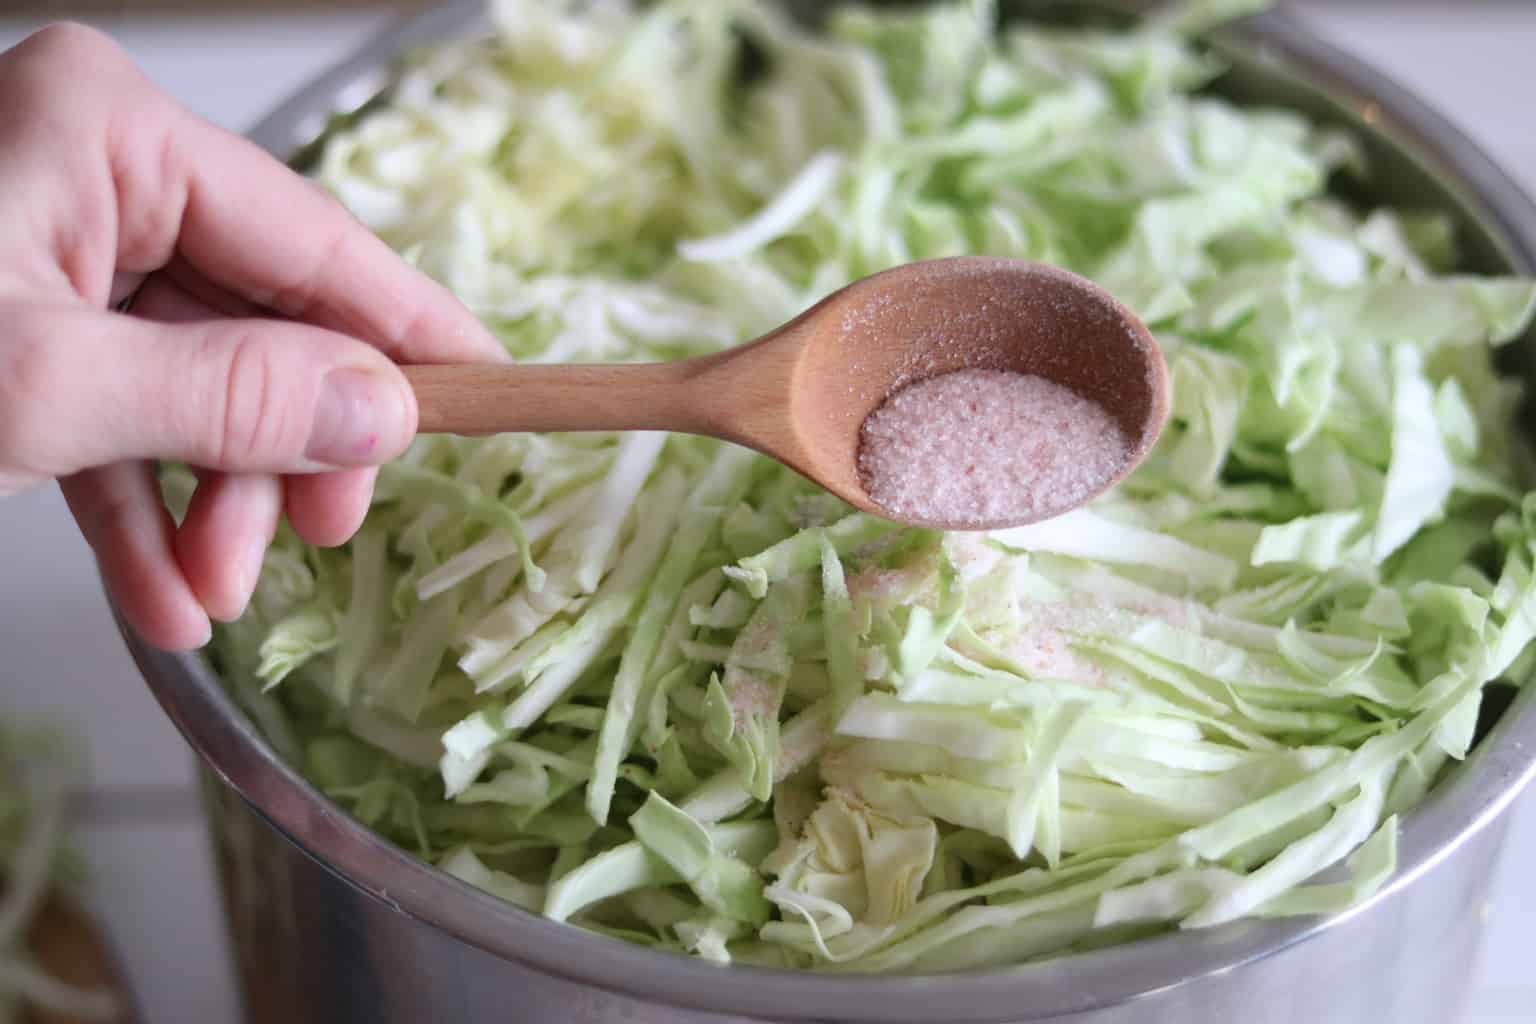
[(665, 689)]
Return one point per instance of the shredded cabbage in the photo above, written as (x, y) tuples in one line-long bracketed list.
[(667, 690)]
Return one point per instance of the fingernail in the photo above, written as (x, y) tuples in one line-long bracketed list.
[(357, 415)]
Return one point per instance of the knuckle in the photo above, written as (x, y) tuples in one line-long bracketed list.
[(415, 321), (99, 73), (151, 184), (297, 297), (253, 424), (76, 45), (29, 375)]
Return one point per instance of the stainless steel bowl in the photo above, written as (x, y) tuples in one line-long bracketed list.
[(334, 924)]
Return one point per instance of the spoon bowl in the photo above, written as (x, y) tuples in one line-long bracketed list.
[(801, 393)]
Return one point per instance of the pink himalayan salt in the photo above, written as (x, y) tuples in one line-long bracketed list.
[(987, 446)]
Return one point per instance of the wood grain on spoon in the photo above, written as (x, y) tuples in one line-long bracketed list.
[(801, 393)]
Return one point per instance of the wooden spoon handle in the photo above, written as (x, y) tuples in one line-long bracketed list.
[(493, 399)]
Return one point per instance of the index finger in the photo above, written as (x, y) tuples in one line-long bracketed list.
[(257, 228)]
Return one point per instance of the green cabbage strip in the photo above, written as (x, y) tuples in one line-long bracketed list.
[(665, 689)]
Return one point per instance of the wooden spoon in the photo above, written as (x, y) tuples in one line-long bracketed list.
[(801, 393)]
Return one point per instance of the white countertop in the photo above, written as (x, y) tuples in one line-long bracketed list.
[(153, 876)]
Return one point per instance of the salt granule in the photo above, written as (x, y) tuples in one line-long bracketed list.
[(987, 446)]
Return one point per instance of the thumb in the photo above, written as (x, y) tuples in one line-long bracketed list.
[(241, 395)]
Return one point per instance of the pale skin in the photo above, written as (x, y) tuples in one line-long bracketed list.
[(261, 344)]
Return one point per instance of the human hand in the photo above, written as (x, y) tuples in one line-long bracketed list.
[(261, 348)]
